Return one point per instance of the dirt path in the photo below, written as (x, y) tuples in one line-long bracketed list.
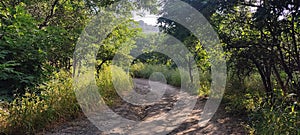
[(221, 123)]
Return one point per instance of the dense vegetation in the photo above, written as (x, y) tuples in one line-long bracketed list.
[(260, 39)]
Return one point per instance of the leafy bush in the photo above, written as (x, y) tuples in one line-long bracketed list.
[(22, 55)]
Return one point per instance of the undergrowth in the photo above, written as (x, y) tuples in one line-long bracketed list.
[(247, 98), (107, 84), (33, 111), (54, 101), (172, 76)]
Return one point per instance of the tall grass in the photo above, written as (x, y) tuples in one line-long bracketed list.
[(33, 111), (246, 97), (172, 76), (281, 117), (107, 84), (55, 101), (242, 96)]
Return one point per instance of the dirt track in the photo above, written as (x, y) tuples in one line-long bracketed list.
[(221, 123)]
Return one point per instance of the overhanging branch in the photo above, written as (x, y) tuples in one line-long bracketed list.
[(49, 16)]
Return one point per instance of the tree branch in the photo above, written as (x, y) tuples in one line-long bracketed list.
[(3, 4), (50, 15)]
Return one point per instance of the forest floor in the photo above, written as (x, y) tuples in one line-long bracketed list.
[(221, 123)]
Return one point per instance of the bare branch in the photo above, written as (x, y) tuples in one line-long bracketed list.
[(49, 16)]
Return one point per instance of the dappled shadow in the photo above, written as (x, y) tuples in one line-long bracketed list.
[(157, 118), (221, 124)]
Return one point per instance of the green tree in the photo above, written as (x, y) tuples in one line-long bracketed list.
[(22, 50), (38, 36), (120, 40), (264, 38)]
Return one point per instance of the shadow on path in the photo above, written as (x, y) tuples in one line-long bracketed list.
[(221, 123)]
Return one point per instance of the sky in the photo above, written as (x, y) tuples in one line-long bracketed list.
[(148, 18)]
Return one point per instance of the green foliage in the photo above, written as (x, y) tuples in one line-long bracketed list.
[(148, 44), (57, 100), (145, 71), (105, 82), (172, 76), (205, 83), (281, 117), (39, 36), (263, 43), (246, 97), (21, 56), (120, 40), (266, 41), (243, 96), (33, 111)]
